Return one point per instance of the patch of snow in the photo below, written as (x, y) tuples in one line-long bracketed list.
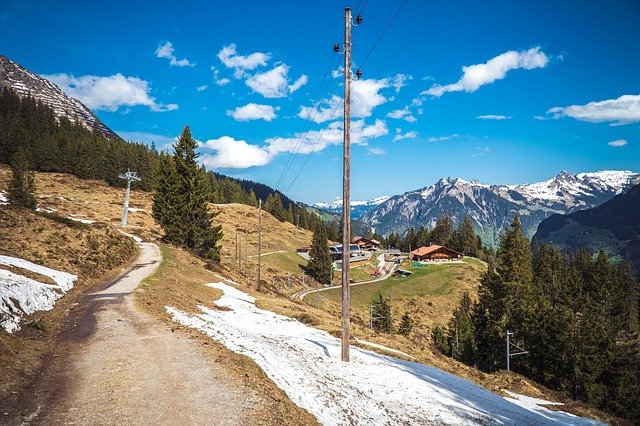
[(537, 405), (226, 279), (21, 296), (133, 237), (384, 348), (134, 209), (337, 202), (81, 220), (371, 389), (3, 198)]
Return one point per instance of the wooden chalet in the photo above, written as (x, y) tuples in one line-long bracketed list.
[(366, 244), (435, 253)]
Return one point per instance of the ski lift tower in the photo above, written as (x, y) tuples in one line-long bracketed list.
[(130, 177)]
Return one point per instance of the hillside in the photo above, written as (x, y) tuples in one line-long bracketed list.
[(491, 207), (613, 227), (28, 84)]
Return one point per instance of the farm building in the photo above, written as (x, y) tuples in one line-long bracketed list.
[(435, 253), (366, 244)]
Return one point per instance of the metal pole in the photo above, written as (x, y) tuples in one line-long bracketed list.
[(346, 187), (237, 252), (125, 209), (508, 355), (259, 237), (246, 251)]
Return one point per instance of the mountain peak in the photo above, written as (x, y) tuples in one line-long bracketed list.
[(28, 84)]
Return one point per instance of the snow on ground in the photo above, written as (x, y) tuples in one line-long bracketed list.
[(371, 389), (133, 237), (81, 220), (20, 295), (3, 198), (135, 209)]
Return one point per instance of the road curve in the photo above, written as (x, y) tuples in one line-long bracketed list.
[(118, 366), (304, 293)]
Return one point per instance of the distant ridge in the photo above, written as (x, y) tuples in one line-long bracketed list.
[(25, 83), (491, 207)]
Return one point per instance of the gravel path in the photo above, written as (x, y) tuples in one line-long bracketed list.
[(118, 366)]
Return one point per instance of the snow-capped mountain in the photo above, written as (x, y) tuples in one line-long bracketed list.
[(491, 207), (25, 83), (358, 208)]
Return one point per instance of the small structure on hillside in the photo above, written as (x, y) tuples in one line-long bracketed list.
[(435, 253), (366, 244)]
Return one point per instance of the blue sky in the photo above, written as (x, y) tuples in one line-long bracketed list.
[(499, 91)]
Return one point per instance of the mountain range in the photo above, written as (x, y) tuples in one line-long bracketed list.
[(358, 208), (491, 207), (26, 83), (613, 227)]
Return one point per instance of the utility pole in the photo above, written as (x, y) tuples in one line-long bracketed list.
[(237, 253), (508, 355), (246, 251), (259, 236), (346, 188), (130, 177)]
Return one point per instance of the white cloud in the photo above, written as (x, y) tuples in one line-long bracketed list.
[(318, 140), (398, 81), (322, 111), (166, 51), (229, 57), (400, 136), (253, 112), (108, 93), (275, 82), (217, 80), (376, 151), (480, 151), (402, 114), (202, 88), (443, 138), (618, 143), (365, 97), (624, 110), (539, 117), (474, 76), (233, 154), (493, 117)]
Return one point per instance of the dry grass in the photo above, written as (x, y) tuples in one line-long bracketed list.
[(68, 195)]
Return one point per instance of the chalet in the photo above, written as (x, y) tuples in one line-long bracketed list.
[(435, 253), (366, 244), (355, 254)]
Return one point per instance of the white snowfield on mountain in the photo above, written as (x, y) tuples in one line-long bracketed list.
[(21, 296), (372, 389)]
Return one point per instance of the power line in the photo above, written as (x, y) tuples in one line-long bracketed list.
[(314, 146), (314, 110), (383, 33)]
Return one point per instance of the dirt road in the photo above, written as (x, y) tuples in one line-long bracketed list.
[(115, 365)]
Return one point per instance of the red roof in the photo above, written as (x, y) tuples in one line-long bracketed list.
[(422, 251)]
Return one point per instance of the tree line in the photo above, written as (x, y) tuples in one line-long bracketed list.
[(575, 314), (53, 144)]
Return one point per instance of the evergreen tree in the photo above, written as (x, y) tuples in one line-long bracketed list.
[(440, 340), (381, 313), (22, 186), (441, 233), (180, 203), (466, 240), (320, 264), (461, 331), (406, 324)]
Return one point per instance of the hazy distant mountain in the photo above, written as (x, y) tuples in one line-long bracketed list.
[(613, 227), (491, 207), (358, 208), (25, 83)]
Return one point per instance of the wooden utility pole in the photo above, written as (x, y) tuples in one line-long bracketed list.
[(246, 252), (259, 237), (346, 188)]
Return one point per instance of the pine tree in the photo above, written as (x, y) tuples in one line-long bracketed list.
[(320, 264), (461, 332), (466, 239), (441, 233), (440, 340), (381, 314), (22, 186), (180, 203), (406, 324)]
